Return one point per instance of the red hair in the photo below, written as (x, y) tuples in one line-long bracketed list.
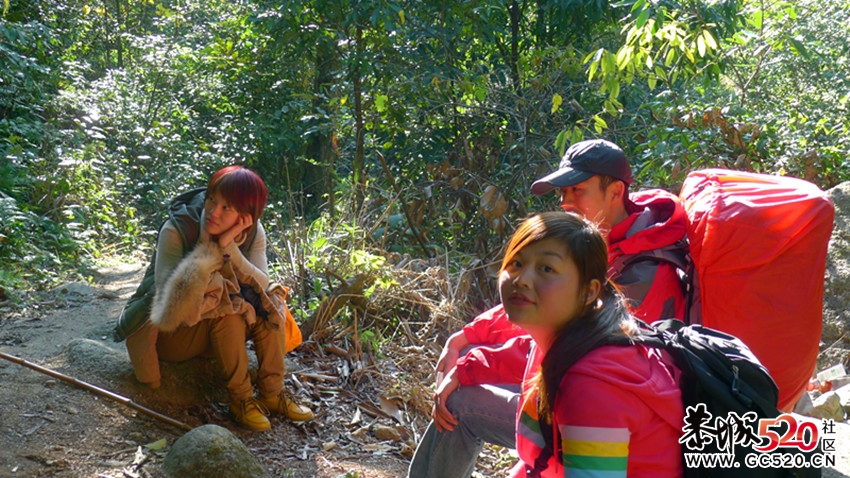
[(241, 188)]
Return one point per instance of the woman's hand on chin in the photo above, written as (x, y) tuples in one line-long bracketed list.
[(242, 223)]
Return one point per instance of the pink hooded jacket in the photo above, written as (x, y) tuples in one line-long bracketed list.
[(618, 412)]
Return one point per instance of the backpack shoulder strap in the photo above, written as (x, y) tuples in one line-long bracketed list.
[(676, 254), (679, 256), (658, 335), (185, 212)]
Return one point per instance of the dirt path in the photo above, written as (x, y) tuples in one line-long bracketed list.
[(52, 428), (368, 413)]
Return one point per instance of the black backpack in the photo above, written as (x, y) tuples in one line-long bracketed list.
[(725, 391)]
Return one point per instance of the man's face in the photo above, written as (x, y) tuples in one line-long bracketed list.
[(588, 199)]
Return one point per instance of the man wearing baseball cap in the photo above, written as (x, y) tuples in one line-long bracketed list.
[(593, 179)]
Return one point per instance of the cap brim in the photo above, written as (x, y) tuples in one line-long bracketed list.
[(559, 179)]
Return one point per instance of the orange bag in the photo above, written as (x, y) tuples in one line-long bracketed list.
[(759, 246), (278, 294), (293, 333)]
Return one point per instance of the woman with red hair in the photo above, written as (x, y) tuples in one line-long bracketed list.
[(211, 293)]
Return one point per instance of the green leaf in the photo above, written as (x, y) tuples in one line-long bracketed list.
[(791, 12), (480, 93), (709, 39), (591, 72), (599, 123), (798, 47), (556, 102), (609, 63), (595, 59), (624, 56), (644, 15), (613, 88), (157, 445), (671, 56), (577, 135), (561, 142), (756, 19), (381, 103), (637, 6)]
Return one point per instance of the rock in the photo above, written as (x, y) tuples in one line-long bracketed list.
[(833, 355), (836, 308), (828, 406), (211, 450), (77, 288), (94, 358), (183, 383), (844, 397), (804, 405)]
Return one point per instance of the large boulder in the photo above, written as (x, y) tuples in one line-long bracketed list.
[(211, 450), (836, 304)]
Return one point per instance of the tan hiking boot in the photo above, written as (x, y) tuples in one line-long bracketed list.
[(251, 414), (283, 405)]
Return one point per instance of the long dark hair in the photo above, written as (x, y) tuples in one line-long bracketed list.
[(606, 316)]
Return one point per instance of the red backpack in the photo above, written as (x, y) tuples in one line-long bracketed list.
[(758, 246)]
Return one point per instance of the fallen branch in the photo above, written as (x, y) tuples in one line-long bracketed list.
[(102, 392), (319, 377)]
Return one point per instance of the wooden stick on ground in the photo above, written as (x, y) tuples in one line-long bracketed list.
[(100, 391)]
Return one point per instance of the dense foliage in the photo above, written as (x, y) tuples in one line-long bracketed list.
[(389, 127)]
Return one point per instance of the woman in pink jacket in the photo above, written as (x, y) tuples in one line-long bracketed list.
[(586, 409)]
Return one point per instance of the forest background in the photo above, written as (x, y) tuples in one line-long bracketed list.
[(390, 133)]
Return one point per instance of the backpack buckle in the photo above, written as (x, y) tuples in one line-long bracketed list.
[(747, 401)]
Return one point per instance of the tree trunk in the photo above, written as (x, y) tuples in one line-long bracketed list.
[(515, 14), (359, 162), (318, 174), (119, 42), (540, 25)]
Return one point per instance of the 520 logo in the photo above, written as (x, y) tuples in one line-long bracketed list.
[(802, 435), (781, 442)]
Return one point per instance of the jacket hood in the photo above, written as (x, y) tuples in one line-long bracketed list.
[(656, 219), (638, 370)]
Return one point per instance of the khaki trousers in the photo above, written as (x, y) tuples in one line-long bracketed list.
[(225, 338)]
